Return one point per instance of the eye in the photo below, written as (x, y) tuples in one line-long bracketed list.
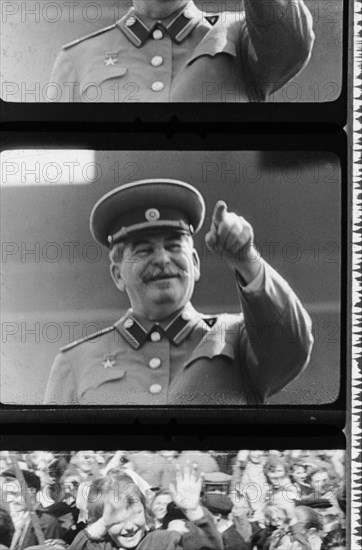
[(142, 249), (174, 246)]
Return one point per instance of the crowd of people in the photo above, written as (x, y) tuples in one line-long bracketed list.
[(169, 500)]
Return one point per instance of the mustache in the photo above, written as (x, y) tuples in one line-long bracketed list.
[(168, 273)]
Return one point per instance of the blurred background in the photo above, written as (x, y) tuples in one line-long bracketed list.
[(34, 32), (56, 286)]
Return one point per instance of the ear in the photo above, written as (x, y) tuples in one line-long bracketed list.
[(196, 264), (115, 270)]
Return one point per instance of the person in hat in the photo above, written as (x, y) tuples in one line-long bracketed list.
[(162, 351), (171, 51), (67, 517), (217, 482), (220, 506)]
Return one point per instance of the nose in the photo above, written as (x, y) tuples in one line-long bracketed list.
[(161, 257)]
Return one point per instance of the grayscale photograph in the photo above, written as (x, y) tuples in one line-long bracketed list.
[(171, 500), (170, 278), (179, 51)]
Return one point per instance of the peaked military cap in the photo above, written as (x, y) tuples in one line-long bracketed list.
[(147, 205), (216, 482), (217, 503)]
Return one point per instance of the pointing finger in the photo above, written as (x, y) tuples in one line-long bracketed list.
[(219, 213)]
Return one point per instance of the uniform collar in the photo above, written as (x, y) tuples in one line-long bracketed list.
[(137, 331), (179, 25)]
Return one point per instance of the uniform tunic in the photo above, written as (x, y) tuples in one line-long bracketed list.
[(192, 359), (190, 56)]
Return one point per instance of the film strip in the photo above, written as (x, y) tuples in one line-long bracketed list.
[(356, 536), (328, 107), (240, 487)]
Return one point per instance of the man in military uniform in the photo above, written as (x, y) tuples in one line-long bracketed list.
[(163, 351), (170, 51)]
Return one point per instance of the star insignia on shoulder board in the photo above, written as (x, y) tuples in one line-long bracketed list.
[(111, 60), (108, 364), (109, 361)]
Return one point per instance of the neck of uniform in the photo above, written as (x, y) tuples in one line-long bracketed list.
[(158, 9), (162, 321)]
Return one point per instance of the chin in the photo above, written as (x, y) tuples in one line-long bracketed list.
[(166, 297)]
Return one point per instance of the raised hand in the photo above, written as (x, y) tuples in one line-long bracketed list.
[(231, 235), (186, 491)]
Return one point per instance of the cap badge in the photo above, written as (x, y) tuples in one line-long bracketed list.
[(152, 215), (130, 21)]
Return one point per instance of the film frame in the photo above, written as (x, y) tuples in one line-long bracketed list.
[(321, 414), (221, 113), (203, 441)]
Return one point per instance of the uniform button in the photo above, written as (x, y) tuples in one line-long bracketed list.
[(154, 363), (158, 86), (185, 316), (155, 388), (187, 13), (155, 336), (130, 21), (129, 323), (157, 34), (157, 61)]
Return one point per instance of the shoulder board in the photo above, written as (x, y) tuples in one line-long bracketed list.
[(86, 338), (212, 19), (210, 321), (93, 34)]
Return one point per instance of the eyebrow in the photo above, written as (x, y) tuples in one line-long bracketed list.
[(140, 242), (175, 237), (148, 241)]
